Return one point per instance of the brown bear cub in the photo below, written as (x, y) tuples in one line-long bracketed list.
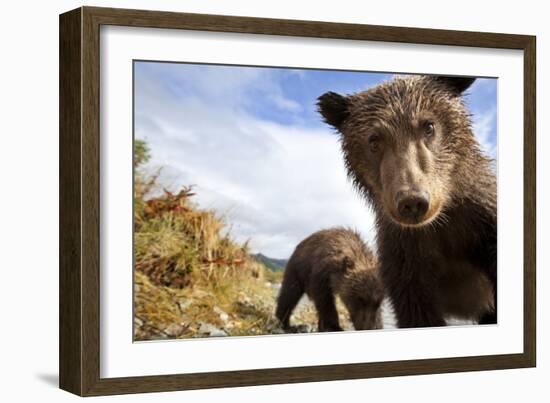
[(333, 262), (409, 149)]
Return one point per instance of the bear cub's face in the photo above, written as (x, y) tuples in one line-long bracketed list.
[(362, 294), (400, 142), (365, 315)]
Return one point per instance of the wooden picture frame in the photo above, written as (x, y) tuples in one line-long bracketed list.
[(80, 199)]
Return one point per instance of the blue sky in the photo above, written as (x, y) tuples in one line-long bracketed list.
[(252, 142)]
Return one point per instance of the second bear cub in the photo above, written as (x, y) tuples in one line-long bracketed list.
[(333, 262)]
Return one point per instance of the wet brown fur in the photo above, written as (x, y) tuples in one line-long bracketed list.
[(444, 264), (327, 263)]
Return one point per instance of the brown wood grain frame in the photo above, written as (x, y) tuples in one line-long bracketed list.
[(79, 348)]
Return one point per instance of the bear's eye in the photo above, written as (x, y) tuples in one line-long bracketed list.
[(374, 142), (429, 129)]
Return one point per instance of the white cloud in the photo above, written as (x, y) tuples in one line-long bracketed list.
[(484, 113), (275, 184), (483, 124), (285, 103)]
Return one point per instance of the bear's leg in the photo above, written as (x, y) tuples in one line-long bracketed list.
[(414, 308), (328, 315), (490, 318), (290, 294), (411, 287)]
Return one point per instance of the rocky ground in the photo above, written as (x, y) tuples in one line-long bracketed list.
[(168, 314)]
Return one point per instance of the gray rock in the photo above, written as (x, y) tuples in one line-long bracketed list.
[(218, 333), (223, 315), (303, 328), (211, 330), (174, 330)]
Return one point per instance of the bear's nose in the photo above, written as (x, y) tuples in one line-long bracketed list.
[(412, 205)]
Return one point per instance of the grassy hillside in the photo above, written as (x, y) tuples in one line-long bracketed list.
[(191, 278), (271, 263)]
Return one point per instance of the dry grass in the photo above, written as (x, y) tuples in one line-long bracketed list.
[(189, 273)]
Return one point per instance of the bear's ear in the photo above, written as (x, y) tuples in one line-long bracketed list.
[(456, 85), (334, 108)]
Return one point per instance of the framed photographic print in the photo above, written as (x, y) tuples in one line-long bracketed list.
[(249, 201)]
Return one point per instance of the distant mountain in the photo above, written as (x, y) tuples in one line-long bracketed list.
[(271, 263)]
